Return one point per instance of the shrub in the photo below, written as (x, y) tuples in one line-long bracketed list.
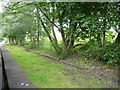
[(110, 54)]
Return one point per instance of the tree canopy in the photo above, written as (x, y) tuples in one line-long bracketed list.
[(29, 23)]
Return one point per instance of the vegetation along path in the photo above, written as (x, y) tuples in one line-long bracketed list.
[(100, 71), (68, 44), (47, 74)]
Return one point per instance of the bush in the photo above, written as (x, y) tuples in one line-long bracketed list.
[(110, 57), (89, 45), (110, 54)]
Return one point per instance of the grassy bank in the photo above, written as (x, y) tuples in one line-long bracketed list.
[(44, 73)]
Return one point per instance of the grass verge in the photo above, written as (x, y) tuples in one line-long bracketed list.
[(43, 73)]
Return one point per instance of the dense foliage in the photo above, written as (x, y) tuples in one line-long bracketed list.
[(30, 24), (110, 54)]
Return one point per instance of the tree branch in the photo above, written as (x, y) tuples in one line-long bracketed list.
[(48, 18)]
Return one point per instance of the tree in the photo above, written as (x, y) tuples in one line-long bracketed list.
[(74, 21)]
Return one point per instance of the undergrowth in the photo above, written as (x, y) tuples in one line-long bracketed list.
[(108, 54)]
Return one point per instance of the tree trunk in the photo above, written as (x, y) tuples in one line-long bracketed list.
[(53, 42), (53, 20), (72, 34), (12, 41), (63, 36), (9, 40), (53, 31), (99, 40), (50, 38), (118, 39), (104, 32), (38, 32)]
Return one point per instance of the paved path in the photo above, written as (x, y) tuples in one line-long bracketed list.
[(0, 73), (16, 77), (0, 69)]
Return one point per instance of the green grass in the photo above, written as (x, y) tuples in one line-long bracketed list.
[(43, 73)]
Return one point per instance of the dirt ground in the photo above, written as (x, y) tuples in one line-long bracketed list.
[(95, 70)]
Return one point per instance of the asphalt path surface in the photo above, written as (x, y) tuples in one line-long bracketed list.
[(16, 77), (0, 68)]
